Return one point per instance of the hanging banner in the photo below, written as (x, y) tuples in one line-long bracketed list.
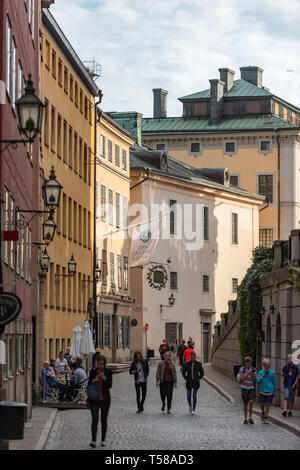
[(143, 242)]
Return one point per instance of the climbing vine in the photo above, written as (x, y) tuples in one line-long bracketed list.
[(250, 299)]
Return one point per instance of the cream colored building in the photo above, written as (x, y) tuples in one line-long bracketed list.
[(202, 280), (114, 302)]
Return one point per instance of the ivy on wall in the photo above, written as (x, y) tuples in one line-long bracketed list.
[(250, 300)]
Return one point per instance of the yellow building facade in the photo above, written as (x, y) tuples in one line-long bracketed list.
[(68, 145), (114, 304)]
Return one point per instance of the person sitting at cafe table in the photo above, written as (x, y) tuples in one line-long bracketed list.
[(61, 363), (68, 356), (52, 365), (79, 374), (78, 361), (51, 381)]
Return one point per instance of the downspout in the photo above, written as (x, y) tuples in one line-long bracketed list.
[(95, 319), (278, 183), (143, 181)]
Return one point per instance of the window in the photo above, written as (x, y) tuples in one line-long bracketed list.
[(75, 153), (104, 267), (12, 225), (125, 212), (235, 283), (124, 160), (8, 54), (172, 217), (103, 203), (80, 225), (28, 256), (125, 272), (229, 147), (118, 198), (81, 101), (205, 223), (70, 227), (102, 146), (266, 237), (70, 146), (76, 94), (71, 88), (64, 207), (110, 207), (85, 162), (195, 147), (60, 72), (234, 180), (160, 146), (8, 367), (6, 224), (66, 79), (234, 230), (47, 62), (86, 108), (265, 145), (265, 186), (119, 267), (80, 158), (46, 122), (110, 159), (173, 280), (107, 331), (75, 222), (58, 143), (20, 81), (14, 74), (52, 127), (205, 283), (84, 225), (53, 63), (112, 269), (117, 155)]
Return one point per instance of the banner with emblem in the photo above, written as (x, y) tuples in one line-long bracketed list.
[(143, 242)]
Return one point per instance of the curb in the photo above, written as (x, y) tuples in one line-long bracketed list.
[(220, 390), (279, 422), (46, 431)]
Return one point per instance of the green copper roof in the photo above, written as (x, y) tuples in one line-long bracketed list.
[(180, 125), (240, 88)]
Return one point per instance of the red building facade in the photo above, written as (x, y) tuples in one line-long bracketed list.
[(19, 57)]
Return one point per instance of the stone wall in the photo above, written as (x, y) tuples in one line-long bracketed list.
[(225, 349)]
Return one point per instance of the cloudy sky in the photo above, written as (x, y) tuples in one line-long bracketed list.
[(180, 44)]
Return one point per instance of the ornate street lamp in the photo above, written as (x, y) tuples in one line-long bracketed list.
[(97, 273), (49, 228), (171, 300), (44, 261), (72, 266), (30, 112), (51, 191)]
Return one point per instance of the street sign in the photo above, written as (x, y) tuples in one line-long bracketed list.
[(134, 322), (10, 307), (146, 326)]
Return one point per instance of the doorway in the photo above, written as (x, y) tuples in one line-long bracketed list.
[(206, 341)]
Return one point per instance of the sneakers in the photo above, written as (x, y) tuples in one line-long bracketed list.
[(163, 407), (250, 420), (266, 420), (193, 412), (290, 414), (168, 412), (245, 421), (284, 413), (190, 408)]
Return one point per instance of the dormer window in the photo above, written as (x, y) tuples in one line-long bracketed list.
[(160, 146)]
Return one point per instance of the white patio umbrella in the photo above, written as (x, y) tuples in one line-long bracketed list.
[(75, 343), (86, 343)]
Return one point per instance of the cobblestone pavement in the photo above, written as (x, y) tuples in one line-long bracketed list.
[(216, 425)]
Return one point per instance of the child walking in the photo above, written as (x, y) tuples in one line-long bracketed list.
[(267, 380), (247, 377)]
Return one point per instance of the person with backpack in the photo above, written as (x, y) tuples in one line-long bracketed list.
[(192, 373), (267, 380), (247, 378), (140, 370), (187, 352), (290, 373), (163, 348)]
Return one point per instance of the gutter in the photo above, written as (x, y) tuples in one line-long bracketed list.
[(143, 181), (278, 182)]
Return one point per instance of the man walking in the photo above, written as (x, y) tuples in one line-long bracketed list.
[(267, 380), (290, 373), (163, 348), (247, 378), (192, 373), (140, 370)]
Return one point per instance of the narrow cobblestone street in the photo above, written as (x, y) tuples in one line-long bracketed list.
[(217, 424)]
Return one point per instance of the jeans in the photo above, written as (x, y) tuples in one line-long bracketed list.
[(140, 386), (166, 391), (95, 406), (189, 397)]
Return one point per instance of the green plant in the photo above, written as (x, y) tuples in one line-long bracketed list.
[(250, 300), (293, 279), (35, 388)]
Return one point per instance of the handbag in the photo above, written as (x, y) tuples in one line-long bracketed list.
[(93, 391)]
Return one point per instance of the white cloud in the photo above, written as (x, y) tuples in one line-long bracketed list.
[(180, 44)]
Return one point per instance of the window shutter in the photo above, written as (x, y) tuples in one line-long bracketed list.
[(128, 331), (110, 331), (118, 331), (100, 330)]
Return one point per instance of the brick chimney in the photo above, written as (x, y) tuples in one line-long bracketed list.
[(252, 74), (216, 100), (159, 103), (227, 76)]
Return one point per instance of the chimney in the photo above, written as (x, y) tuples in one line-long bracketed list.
[(252, 74), (131, 121), (227, 76), (159, 103), (216, 100)]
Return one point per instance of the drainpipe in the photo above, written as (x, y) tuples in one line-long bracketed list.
[(95, 319), (143, 181), (278, 182)]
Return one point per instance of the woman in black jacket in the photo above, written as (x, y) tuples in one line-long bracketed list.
[(192, 373), (102, 376), (140, 370)]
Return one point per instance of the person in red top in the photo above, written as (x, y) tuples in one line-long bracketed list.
[(187, 353)]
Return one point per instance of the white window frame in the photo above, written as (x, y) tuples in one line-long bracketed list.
[(118, 210), (266, 173), (102, 145), (125, 212), (103, 202), (14, 74), (124, 160), (237, 228), (110, 206), (8, 54)]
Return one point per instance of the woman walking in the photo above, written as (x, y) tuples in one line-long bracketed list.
[(140, 370), (100, 382), (192, 373), (166, 380)]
